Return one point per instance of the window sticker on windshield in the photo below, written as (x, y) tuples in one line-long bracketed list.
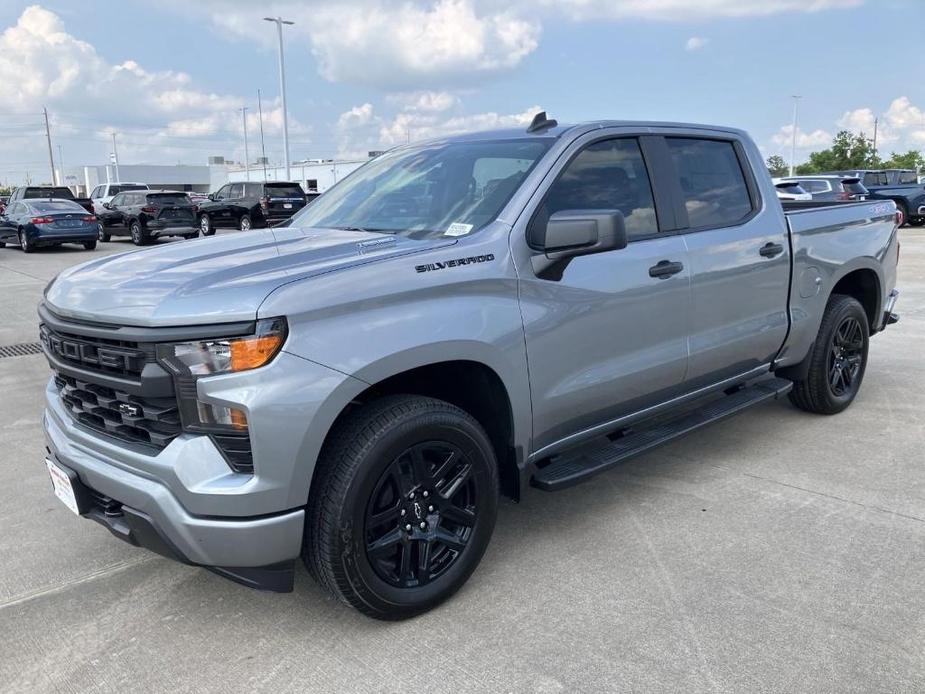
[(458, 229)]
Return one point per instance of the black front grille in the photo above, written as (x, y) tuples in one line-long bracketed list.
[(152, 421), (100, 355)]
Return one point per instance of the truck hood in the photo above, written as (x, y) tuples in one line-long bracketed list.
[(219, 279)]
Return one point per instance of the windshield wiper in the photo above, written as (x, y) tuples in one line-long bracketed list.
[(371, 230)]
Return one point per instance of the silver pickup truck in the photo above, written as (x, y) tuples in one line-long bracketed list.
[(456, 320)]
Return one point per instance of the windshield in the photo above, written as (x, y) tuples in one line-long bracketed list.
[(432, 190)]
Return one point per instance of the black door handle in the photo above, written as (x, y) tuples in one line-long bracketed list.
[(665, 269), (769, 250)]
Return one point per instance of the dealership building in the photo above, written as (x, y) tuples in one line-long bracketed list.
[(314, 175)]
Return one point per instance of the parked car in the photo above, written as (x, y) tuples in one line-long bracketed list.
[(148, 214), (49, 193), (31, 223), (830, 187), (790, 190), (4, 199), (900, 186), (105, 192), (250, 205), (475, 315)]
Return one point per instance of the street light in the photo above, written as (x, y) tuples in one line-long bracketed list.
[(282, 87), (793, 135)]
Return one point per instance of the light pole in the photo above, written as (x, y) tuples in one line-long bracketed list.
[(115, 157), (793, 140), (247, 167), (263, 149), (282, 87)]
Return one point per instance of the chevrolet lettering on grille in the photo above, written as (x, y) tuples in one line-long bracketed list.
[(89, 354)]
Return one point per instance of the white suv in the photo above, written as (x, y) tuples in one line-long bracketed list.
[(104, 193)]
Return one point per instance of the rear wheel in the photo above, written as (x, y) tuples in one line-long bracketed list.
[(205, 225), (139, 235), (838, 360), (24, 243), (90, 245), (403, 506)]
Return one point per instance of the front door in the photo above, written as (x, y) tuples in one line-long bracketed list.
[(608, 336)]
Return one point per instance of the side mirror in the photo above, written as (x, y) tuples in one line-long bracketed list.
[(107, 205), (212, 197), (571, 233)]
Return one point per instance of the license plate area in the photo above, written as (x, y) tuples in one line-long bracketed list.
[(67, 487)]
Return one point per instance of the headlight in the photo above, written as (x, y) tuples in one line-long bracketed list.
[(189, 361), (207, 357)]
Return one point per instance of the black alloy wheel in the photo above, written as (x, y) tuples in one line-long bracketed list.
[(846, 356), (420, 516)]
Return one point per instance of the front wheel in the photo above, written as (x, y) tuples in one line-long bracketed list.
[(838, 360), (403, 506), (245, 223)]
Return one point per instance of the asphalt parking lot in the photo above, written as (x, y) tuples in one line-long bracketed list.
[(774, 552)]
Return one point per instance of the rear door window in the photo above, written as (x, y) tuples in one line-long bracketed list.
[(908, 177), (713, 186), (606, 175)]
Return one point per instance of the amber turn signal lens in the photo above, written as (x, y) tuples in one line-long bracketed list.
[(251, 352)]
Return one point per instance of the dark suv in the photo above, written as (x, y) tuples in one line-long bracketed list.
[(147, 214), (250, 205)]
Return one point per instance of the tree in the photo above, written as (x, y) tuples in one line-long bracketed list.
[(848, 151), (777, 166), (910, 160)]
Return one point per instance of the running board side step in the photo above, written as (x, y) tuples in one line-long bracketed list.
[(568, 469)]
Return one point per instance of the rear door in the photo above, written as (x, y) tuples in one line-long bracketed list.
[(607, 335), (739, 254)]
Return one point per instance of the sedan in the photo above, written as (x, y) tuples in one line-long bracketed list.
[(51, 222)]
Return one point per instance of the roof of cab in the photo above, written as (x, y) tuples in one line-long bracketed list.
[(558, 130)]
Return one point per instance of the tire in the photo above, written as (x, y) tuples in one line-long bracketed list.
[(244, 224), (139, 236), (406, 453), (838, 360), (24, 243), (2, 244), (205, 225), (90, 245), (102, 235), (901, 206)]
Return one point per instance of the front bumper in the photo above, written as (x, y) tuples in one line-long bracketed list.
[(151, 516)]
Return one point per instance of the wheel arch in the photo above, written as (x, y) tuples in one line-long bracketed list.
[(472, 385), (862, 283)]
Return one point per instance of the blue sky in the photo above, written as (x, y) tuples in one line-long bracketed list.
[(169, 77)]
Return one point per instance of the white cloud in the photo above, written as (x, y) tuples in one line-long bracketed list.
[(416, 44), (817, 138), (424, 100), (155, 113), (695, 43)]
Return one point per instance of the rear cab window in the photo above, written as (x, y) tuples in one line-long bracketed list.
[(713, 186), (816, 186), (168, 198), (284, 190), (57, 206)]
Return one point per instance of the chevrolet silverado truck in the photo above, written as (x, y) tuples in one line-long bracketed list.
[(456, 321)]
